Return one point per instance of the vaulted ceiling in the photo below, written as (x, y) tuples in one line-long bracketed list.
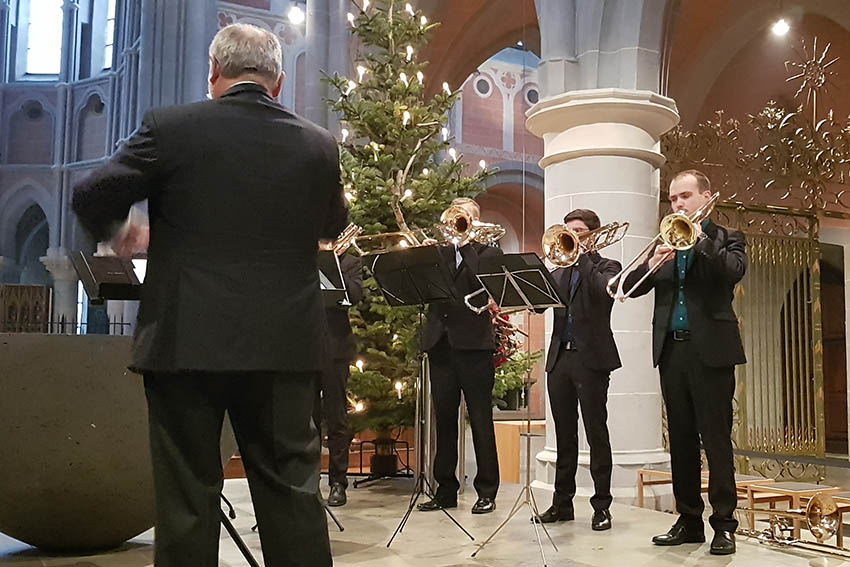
[(473, 30)]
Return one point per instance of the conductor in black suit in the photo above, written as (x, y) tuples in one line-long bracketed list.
[(239, 192), (334, 401), (460, 346), (582, 354), (696, 344)]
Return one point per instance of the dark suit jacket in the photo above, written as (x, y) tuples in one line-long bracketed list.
[(239, 192), (341, 341), (717, 263), (465, 330), (591, 310)]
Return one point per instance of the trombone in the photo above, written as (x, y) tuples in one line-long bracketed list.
[(458, 227), (346, 239), (822, 519), (679, 231), (563, 247)]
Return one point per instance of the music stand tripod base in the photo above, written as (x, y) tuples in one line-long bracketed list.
[(415, 277), (518, 282)]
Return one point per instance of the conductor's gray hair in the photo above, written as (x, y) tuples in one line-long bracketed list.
[(243, 49)]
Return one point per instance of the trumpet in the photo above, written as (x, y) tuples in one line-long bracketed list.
[(563, 247), (679, 231), (346, 238), (457, 226), (822, 519)]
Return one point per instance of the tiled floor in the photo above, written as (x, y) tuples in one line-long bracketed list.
[(431, 540)]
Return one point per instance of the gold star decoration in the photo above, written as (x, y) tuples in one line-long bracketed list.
[(813, 72)]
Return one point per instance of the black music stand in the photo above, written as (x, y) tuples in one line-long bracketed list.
[(518, 282), (331, 281), (415, 276)]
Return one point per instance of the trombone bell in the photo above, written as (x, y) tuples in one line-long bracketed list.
[(458, 227), (821, 516), (563, 247), (678, 231)]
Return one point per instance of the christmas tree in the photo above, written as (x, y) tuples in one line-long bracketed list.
[(400, 172)]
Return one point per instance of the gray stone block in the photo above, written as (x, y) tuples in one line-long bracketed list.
[(76, 468)]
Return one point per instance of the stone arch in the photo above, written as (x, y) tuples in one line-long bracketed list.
[(92, 128), (503, 202), (14, 202), (32, 238), (514, 172), (31, 134), (471, 31)]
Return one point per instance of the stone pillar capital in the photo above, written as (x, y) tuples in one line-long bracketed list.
[(59, 265), (602, 122)]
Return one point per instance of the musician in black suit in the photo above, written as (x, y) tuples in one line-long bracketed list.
[(696, 345), (581, 356), (333, 404), (460, 346), (239, 192)]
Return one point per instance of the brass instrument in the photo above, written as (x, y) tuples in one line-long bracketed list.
[(457, 226), (346, 238), (563, 247), (385, 242), (822, 520), (678, 230)]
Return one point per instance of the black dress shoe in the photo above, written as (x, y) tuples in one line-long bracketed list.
[(678, 535), (555, 514), (723, 543), (435, 504), (601, 520), (337, 496), (484, 506)]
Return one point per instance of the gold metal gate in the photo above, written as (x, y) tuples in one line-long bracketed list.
[(780, 407)]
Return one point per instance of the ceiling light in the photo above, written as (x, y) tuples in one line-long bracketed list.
[(296, 15), (781, 27)]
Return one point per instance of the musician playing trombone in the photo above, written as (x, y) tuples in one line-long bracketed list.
[(696, 345), (581, 356), (460, 345)]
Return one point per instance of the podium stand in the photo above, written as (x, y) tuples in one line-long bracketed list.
[(415, 277), (106, 277), (518, 282)]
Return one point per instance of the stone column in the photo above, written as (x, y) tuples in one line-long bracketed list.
[(5, 38), (318, 32), (601, 152), (64, 289), (339, 41), (174, 63), (70, 62)]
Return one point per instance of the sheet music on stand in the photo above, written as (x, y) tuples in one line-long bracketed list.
[(413, 276), (519, 281), (331, 281)]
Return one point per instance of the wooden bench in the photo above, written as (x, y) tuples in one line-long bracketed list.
[(651, 477)]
